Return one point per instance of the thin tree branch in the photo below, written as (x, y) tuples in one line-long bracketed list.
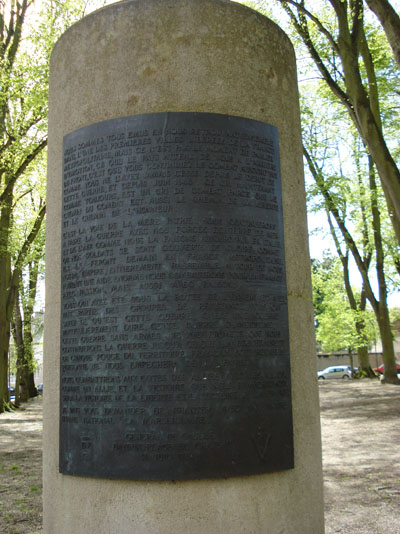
[(300, 7), (302, 30), (22, 196), (341, 224), (15, 36), (20, 261), (372, 81), (22, 168)]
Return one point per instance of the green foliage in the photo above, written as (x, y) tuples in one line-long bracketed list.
[(353, 67), (28, 32), (335, 320), (395, 314)]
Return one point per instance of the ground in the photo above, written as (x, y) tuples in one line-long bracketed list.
[(21, 470), (361, 455)]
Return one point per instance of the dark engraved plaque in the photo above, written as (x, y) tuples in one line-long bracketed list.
[(174, 345)]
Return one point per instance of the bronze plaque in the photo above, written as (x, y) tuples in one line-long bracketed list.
[(174, 326)]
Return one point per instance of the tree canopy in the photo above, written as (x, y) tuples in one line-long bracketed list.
[(28, 31), (350, 113), (336, 36)]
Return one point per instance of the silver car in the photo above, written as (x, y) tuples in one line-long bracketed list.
[(335, 371)]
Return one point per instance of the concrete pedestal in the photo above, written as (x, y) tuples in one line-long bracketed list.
[(147, 56)]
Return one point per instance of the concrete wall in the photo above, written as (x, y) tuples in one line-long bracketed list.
[(327, 360), (145, 56)]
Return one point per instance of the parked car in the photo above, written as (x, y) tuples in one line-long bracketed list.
[(381, 369), (335, 371)]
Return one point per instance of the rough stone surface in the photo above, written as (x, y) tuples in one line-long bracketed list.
[(145, 56)]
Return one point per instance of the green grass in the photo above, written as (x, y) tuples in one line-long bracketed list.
[(26, 510)]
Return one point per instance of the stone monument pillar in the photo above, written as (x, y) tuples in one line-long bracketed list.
[(180, 382)]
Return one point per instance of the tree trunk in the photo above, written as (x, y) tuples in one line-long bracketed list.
[(16, 328), (28, 306), (9, 284), (382, 310), (4, 344), (351, 361), (22, 367), (17, 401), (364, 365), (32, 389), (389, 356), (371, 133), (5, 277), (22, 332)]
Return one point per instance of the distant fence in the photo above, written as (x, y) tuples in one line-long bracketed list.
[(342, 358)]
